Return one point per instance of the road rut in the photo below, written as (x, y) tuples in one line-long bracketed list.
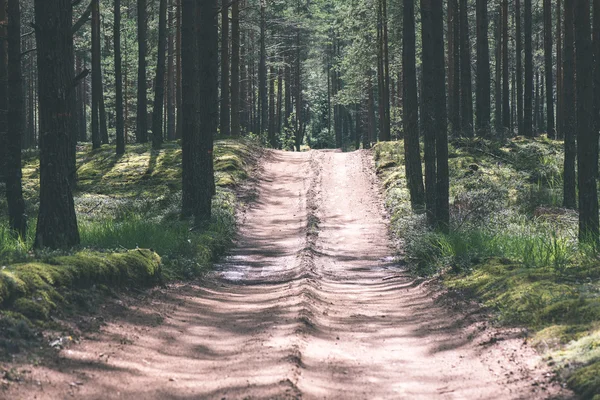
[(309, 304)]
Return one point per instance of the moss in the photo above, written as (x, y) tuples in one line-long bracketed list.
[(586, 381), (32, 309), (34, 289)]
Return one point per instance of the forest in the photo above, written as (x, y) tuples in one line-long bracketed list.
[(299, 199)]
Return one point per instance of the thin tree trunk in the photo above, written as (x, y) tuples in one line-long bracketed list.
[(271, 130), (159, 85), (225, 103), (235, 68), (171, 121), (57, 222), (559, 75), (262, 73), (569, 119), (466, 93), (120, 122), (519, 50), (142, 98), (178, 88), (96, 75), (386, 75), (528, 95), (498, 74), (548, 65), (483, 105), (505, 75)]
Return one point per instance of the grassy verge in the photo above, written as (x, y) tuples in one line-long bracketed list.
[(123, 204), (511, 246)]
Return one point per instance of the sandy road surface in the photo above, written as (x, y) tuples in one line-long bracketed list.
[(308, 305)]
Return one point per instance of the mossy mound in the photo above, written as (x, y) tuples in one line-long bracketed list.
[(586, 381), (34, 288)]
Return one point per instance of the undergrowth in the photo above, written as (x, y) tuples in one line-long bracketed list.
[(511, 246), (123, 203)]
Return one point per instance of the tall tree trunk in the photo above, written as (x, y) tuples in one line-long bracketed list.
[(370, 136), (119, 122), (57, 222), (243, 84), (548, 65), (454, 67), (428, 120), (96, 75), (498, 73), (559, 74), (225, 104), (536, 104), (3, 93), (170, 75), (483, 105), (142, 97), (386, 75), (505, 75), (528, 95), (299, 100), (380, 74), (466, 93), (14, 121), (178, 69), (412, 149), (569, 118), (279, 101), (262, 72), (519, 50), (271, 131), (191, 170), (587, 136), (159, 85), (208, 50), (235, 69)]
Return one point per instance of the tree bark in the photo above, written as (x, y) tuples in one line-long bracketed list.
[(159, 84), (519, 66), (271, 130), (412, 149), (57, 222), (262, 73), (171, 120), (559, 74)]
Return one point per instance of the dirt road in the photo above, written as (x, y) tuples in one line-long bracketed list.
[(309, 305)]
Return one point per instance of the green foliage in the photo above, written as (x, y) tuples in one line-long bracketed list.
[(510, 245)]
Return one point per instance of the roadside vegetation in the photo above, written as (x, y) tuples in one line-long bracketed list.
[(128, 209), (511, 246)]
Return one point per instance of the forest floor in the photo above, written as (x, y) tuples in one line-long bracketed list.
[(309, 304)]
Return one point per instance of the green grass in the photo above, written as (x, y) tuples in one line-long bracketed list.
[(123, 204), (511, 246)]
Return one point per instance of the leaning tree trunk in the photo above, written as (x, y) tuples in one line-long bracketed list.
[(159, 85), (57, 222), (412, 150)]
